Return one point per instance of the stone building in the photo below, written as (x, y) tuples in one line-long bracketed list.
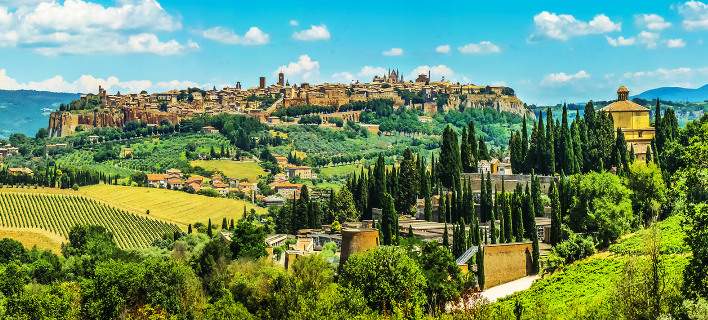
[(633, 120)]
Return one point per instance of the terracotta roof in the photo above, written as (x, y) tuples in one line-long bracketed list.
[(286, 185), (174, 181), (623, 106), (155, 177)]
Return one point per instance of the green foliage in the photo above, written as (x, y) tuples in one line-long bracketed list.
[(601, 206), (568, 251), (248, 240), (443, 277), (393, 282), (648, 191)]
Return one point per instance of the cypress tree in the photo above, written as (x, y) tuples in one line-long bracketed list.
[(492, 221), (535, 251), (224, 224), (407, 183), (445, 240), (517, 217), (428, 211), (529, 216), (463, 237), (441, 208), (648, 155), (524, 147), (555, 213), (483, 199), (410, 231), (506, 211), (465, 152), (474, 153), (480, 267), (387, 219), (540, 145), (550, 144), (209, 231), (483, 151), (658, 128), (450, 164), (231, 224), (189, 229), (536, 195)]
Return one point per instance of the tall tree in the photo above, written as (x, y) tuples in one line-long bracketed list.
[(524, 146), (407, 184), (480, 267), (493, 223), (550, 152), (387, 220), (555, 213), (465, 152), (517, 217), (450, 164), (474, 152)]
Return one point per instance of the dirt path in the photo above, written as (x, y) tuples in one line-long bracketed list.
[(503, 290)]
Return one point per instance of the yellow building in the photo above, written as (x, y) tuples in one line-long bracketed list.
[(633, 119)]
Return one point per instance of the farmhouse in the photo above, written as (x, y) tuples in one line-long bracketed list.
[(286, 189), (20, 171), (157, 180), (301, 172)]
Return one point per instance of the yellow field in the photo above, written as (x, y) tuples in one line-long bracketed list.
[(174, 206), (233, 169), (34, 237)]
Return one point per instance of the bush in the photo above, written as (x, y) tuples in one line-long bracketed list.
[(575, 248)]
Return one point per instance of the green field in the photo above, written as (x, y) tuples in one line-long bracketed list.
[(174, 206), (58, 213), (584, 287), (340, 171), (249, 170)]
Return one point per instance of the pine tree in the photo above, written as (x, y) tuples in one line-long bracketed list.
[(555, 214)]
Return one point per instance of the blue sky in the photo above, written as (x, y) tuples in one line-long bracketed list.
[(549, 51)]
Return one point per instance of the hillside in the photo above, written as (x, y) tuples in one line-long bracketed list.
[(25, 111), (175, 206), (57, 213), (676, 94), (588, 286)]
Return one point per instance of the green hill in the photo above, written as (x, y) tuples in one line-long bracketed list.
[(587, 288)]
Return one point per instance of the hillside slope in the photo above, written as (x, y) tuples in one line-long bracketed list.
[(676, 94), (587, 287)]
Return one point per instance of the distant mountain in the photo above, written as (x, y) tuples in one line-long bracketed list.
[(25, 111), (676, 94)]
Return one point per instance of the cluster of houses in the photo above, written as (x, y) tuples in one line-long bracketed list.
[(8, 150), (174, 179)]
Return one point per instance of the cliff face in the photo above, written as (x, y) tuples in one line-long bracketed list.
[(499, 102), (63, 123)]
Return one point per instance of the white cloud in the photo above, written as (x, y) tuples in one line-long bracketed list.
[(304, 68), (660, 73), (436, 72), (620, 41), (314, 33), (483, 47), (343, 76), (562, 78), (444, 48), (675, 43), (176, 84), (653, 22), (370, 72), (648, 39), (293, 23), (695, 15), (89, 84), (253, 37), (639, 81), (84, 84), (393, 52), (565, 26), (83, 27)]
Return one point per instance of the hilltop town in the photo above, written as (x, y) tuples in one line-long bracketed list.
[(338, 99)]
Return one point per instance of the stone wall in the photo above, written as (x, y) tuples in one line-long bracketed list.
[(506, 262), (510, 181)]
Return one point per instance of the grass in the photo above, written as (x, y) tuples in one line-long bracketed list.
[(588, 286), (249, 170), (29, 238), (340, 171), (174, 206)]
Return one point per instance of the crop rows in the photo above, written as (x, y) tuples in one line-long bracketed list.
[(59, 213)]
